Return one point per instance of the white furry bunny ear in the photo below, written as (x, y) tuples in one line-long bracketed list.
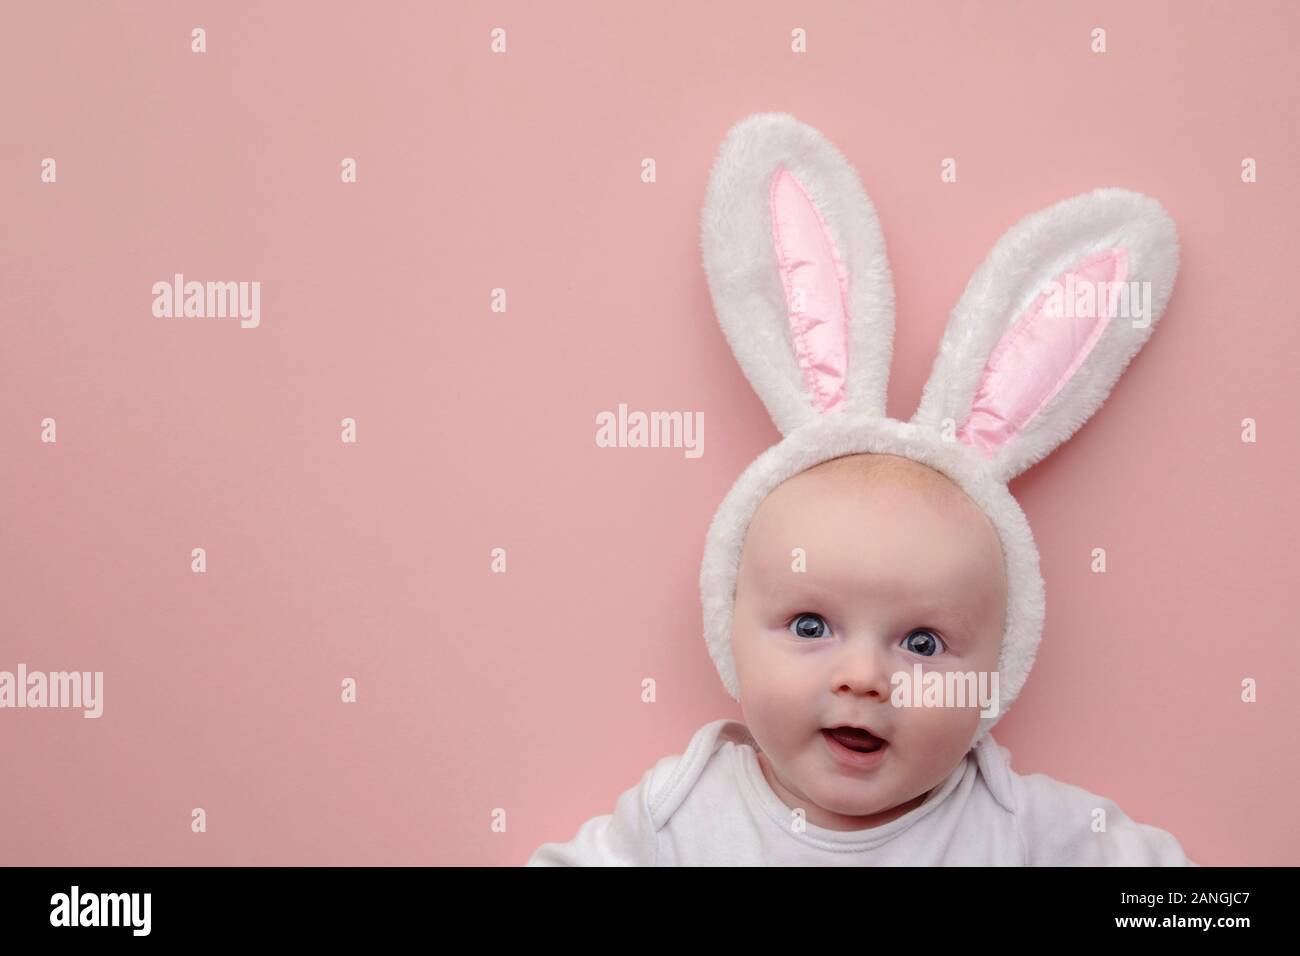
[(1048, 323), (796, 266)]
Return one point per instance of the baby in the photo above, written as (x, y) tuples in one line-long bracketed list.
[(819, 649), (871, 589)]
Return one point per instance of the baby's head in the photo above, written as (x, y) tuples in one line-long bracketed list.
[(897, 567)]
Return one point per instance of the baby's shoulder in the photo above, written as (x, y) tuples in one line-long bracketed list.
[(1066, 825), (630, 835), (675, 776)]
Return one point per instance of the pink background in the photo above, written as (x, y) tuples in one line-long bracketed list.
[(476, 429)]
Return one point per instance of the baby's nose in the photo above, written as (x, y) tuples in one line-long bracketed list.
[(863, 667)]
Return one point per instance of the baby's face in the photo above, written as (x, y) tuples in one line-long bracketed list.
[(901, 568)]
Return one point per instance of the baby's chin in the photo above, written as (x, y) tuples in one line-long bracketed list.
[(859, 801)]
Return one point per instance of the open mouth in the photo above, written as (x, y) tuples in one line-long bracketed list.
[(855, 739)]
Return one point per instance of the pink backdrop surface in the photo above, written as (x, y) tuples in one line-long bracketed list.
[(520, 691)]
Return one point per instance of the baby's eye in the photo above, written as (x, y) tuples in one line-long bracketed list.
[(927, 643), (809, 625)]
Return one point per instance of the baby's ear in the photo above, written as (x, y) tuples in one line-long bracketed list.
[(1048, 323), (796, 266)]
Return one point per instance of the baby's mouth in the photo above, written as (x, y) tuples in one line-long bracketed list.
[(856, 739)]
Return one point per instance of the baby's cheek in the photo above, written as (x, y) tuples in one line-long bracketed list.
[(773, 698), (760, 665), (769, 688), (938, 729)]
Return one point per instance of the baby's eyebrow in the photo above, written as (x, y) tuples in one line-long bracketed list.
[(791, 585), (975, 617), (950, 612)]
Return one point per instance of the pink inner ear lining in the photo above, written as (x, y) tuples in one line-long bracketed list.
[(1039, 354), (816, 289)]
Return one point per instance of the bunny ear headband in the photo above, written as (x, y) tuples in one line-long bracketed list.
[(796, 267)]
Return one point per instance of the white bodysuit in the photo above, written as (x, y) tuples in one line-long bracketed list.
[(711, 806)]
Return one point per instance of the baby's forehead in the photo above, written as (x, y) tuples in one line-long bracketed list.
[(904, 481), (848, 500)]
